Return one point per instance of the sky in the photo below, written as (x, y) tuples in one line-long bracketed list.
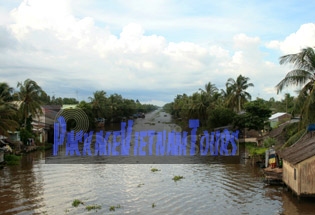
[(151, 50)]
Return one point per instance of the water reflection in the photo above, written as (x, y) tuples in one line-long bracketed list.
[(38, 188), (22, 186)]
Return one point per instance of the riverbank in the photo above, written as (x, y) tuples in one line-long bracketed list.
[(14, 158)]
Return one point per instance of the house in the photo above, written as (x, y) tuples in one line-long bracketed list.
[(43, 124), (299, 166), (278, 118)]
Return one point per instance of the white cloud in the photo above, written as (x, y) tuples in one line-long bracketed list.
[(65, 53), (293, 43)]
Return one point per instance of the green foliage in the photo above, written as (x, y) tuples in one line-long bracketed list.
[(25, 135), (269, 141), (168, 108), (154, 170), (87, 108), (257, 112), (290, 129), (113, 208), (302, 74), (293, 138), (237, 95), (221, 117), (177, 178), (11, 159), (93, 207), (30, 94), (56, 101), (69, 101), (29, 126), (77, 202), (254, 150)]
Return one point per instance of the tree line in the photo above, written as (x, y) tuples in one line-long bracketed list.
[(233, 105), (213, 107), (18, 109), (216, 108)]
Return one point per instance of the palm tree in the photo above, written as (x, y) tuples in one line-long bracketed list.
[(99, 103), (7, 110), (238, 89), (303, 75), (7, 115), (210, 89), (29, 94), (6, 92)]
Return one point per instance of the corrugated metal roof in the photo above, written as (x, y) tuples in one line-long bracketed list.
[(276, 115), (301, 151)]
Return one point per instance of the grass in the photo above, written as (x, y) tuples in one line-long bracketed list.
[(113, 208), (93, 207), (254, 150), (12, 159), (77, 202), (177, 177), (153, 205), (155, 170)]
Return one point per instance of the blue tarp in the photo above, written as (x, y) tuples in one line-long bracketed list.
[(311, 127)]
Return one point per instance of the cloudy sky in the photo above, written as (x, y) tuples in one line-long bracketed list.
[(150, 50)]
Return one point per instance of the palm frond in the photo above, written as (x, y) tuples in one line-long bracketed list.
[(295, 77)]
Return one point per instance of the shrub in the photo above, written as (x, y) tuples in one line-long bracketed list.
[(269, 141), (12, 159)]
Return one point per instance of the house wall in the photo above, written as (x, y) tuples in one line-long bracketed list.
[(284, 118), (288, 176), (308, 176)]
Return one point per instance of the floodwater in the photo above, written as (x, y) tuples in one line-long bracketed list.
[(34, 187)]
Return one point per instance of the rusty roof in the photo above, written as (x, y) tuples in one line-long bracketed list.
[(300, 151)]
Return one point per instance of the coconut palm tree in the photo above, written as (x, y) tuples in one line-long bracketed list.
[(6, 92), (302, 75), (210, 89), (29, 94), (7, 110), (99, 103), (238, 89)]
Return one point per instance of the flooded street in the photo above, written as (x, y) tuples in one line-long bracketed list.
[(35, 187)]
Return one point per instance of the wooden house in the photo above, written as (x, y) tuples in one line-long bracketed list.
[(299, 166)]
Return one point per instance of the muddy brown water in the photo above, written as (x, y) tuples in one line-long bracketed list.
[(34, 187)]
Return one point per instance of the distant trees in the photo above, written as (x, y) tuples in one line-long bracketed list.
[(17, 109), (212, 107), (237, 94), (255, 116)]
